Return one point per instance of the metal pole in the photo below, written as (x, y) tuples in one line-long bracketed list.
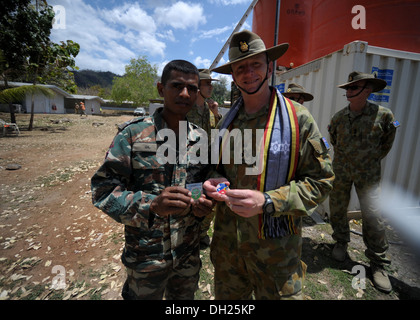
[(238, 26), (276, 36)]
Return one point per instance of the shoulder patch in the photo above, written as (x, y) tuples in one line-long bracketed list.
[(396, 124), (122, 126), (326, 144)]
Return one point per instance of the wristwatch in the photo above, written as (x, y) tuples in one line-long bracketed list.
[(268, 206)]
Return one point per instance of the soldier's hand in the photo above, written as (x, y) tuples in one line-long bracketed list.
[(203, 206), (210, 187), (213, 106), (172, 200), (245, 202)]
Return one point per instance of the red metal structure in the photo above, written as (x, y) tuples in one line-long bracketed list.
[(315, 28)]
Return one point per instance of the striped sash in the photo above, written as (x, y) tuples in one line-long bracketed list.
[(280, 152)]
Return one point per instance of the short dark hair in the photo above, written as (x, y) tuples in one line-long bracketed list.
[(178, 65)]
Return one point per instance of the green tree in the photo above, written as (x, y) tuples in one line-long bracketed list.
[(58, 63), (137, 84), (17, 40), (48, 61), (28, 54), (220, 92), (11, 95)]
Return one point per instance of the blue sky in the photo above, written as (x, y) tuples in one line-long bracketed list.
[(112, 32)]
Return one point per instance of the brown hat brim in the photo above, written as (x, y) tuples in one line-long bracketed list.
[(273, 54), (378, 84), (306, 96), (205, 75)]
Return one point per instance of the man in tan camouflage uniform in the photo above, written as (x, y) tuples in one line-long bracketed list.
[(136, 187), (250, 256), (362, 135), (201, 115)]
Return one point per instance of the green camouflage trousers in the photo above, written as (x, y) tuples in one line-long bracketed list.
[(175, 284), (205, 224), (368, 191), (242, 277)]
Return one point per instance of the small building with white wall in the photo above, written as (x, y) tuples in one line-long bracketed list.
[(60, 103)]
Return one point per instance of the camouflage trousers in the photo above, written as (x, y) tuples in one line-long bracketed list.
[(239, 277), (174, 283), (205, 224), (368, 192)]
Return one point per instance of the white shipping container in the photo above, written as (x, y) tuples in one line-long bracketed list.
[(401, 70)]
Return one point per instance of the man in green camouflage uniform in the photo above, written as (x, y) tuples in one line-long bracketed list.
[(362, 135), (137, 187), (245, 264), (201, 115)]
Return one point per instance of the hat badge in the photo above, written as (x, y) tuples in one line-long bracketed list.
[(350, 78), (289, 90), (243, 46)]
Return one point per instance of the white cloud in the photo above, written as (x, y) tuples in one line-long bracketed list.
[(132, 17), (225, 31), (160, 65), (110, 33), (167, 34), (181, 15), (109, 38), (229, 2), (200, 62)]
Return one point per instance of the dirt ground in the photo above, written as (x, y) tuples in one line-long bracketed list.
[(50, 232), (55, 245)]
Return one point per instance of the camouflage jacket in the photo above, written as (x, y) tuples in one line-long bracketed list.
[(364, 139), (200, 117), (311, 185), (131, 177)]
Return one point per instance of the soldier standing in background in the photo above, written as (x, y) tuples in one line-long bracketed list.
[(151, 199), (200, 113), (362, 135), (297, 93)]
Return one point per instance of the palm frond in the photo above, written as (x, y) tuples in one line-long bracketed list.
[(18, 94)]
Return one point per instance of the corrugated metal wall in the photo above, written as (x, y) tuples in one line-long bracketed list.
[(320, 77)]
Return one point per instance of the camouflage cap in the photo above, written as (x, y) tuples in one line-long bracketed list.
[(295, 88), (245, 44), (378, 84)]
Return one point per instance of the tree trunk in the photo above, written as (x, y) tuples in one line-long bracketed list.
[(12, 113), (11, 108), (31, 120)]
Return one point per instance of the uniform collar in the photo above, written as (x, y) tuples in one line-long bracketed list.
[(367, 110), (160, 123)]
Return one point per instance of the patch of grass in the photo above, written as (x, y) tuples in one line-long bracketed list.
[(314, 289), (205, 289), (206, 283), (65, 174)]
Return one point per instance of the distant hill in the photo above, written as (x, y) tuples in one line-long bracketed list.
[(88, 78)]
